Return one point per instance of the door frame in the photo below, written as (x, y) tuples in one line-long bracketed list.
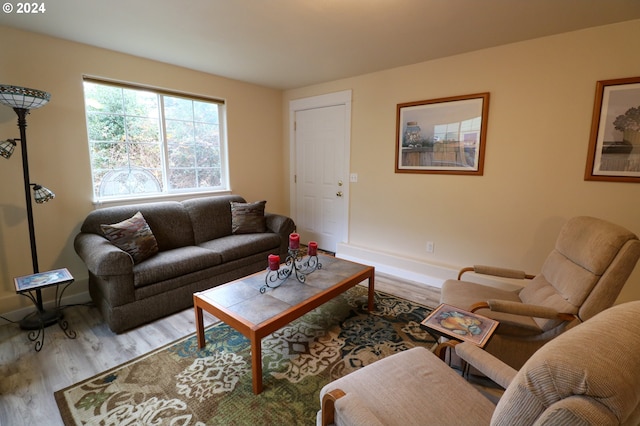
[(313, 102)]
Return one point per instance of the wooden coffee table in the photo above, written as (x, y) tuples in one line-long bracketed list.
[(256, 315)]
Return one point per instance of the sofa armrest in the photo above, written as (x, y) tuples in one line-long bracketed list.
[(341, 409), (283, 226), (279, 223), (486, 363), (101, 257)]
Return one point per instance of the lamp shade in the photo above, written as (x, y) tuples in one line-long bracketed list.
[(42, 194), (22, 97), (7, 147)]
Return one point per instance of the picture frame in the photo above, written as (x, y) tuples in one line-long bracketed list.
[(442, 136), (42, 280), (459, 324), (614, 143)]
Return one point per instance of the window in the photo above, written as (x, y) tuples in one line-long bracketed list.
[(146, 142)]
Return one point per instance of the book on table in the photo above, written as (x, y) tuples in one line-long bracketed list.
[(460, 324)]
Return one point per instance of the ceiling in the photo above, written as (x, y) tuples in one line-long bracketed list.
[(286, 44)]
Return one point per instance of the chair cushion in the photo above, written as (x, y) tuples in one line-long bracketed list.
[(463, 294), (592, 243), (411, 387), (134, 236)]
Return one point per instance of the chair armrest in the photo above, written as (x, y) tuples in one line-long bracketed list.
[(329, 406), (486, 363), (101, 257), (352, 410), (496, 272), (524, 309)]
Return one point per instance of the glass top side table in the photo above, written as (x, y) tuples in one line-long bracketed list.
[(31, 286)]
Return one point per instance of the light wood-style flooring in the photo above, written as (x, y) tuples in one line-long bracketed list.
[(28, 378)]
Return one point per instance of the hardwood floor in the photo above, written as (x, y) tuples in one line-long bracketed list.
[(29, 378)]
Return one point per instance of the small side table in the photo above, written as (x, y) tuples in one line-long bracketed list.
[(31, 287), (460, 325)]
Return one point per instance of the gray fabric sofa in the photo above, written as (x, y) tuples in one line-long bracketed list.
[(197, 250)]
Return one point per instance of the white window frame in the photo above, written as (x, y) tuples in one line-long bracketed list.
[(224, 187)]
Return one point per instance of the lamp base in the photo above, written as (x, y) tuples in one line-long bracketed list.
[(40, 319)]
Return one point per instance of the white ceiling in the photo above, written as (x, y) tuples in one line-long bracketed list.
[(293, 43)]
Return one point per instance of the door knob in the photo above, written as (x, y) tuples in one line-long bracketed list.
[(339, 193)]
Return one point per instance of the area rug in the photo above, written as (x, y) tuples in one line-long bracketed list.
[(181, 385)]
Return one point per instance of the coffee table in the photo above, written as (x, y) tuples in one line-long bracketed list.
[(256, 315)]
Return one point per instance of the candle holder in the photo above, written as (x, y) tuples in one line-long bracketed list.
[(295, 264)]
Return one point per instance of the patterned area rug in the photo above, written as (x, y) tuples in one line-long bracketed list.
[(181, 385)]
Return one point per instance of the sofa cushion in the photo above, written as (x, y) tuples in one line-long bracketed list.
[(174, 263), (210, 216), (243, 245), (168, 220), (134, 236), (248, 218)]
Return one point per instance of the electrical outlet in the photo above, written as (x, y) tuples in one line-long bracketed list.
[(429, 246), (353, 177)]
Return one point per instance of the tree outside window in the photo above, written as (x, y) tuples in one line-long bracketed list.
[(144, 142)]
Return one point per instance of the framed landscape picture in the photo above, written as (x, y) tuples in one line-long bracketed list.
[(442, 136), (460, 324), (614, 144)]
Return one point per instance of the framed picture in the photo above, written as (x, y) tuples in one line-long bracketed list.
[(459, 324), (443, 136), (42, 280), (614, 145)]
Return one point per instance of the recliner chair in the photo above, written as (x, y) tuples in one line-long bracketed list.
[(582, 276), (586, 376)]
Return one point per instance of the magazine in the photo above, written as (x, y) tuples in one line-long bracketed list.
[(42, 279), (459, 324)]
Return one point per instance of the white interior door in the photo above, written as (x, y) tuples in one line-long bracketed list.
[(321, 172)]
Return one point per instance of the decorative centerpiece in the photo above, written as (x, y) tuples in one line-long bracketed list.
[(295, 264)]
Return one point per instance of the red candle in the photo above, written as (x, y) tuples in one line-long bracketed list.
[(294, 241), (274, 262), (313, 248)]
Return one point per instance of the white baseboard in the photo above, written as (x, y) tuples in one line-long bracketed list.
[(414, 270), (431, 274), (73, 299)]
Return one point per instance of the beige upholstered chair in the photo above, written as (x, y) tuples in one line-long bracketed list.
[(586, 376), (582, 276)]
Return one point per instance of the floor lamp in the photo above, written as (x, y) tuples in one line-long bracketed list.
[(22, 100)]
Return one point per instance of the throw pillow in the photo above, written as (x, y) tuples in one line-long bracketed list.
[(248, 218), (133, 236)]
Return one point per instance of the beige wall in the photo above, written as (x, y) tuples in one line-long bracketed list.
[(59, 157), (542, 94), (538, 130)]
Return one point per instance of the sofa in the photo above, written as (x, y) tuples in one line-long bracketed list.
[(145, 261)]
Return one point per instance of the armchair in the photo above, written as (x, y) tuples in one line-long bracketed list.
[(582, 276), (586, 376)]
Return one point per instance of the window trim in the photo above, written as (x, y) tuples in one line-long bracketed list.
[(175, 195)]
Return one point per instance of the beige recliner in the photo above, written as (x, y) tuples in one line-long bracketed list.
[(586, 376), (582, 276)]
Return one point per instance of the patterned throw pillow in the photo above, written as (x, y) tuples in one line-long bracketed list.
[(133, 236), (248, 218)]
